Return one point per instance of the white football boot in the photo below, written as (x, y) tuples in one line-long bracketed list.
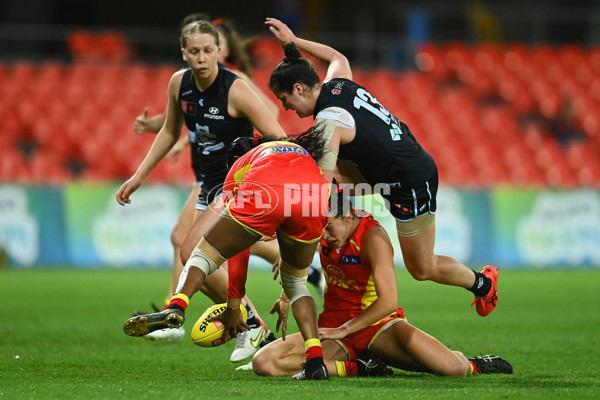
[(245, 367), (248, 342), (167, 334)]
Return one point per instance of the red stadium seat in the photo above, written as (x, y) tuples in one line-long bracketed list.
[(429, 59), (48, 168), (13, 166)]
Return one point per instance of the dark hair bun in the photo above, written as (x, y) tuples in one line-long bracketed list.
[(292, 54)]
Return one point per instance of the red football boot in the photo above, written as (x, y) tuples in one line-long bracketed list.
[(485, 305)]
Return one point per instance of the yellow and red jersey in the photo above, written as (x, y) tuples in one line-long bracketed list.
[(350, 284), (275, 188)]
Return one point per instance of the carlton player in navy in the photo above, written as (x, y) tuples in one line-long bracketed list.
[(216, 107), (383, 153)]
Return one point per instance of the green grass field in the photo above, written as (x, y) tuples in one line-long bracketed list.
[(61, 338)]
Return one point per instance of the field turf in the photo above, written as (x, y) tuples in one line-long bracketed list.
[(61, 338)]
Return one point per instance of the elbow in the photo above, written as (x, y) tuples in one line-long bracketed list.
[(391, 305)]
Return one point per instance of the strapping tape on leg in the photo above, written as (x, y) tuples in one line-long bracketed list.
[(205, 257), (293, 281)]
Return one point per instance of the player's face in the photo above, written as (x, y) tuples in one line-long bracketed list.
[(201, 53), (338, 231), (295, 101)]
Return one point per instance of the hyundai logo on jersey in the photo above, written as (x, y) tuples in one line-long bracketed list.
[(213, 110)]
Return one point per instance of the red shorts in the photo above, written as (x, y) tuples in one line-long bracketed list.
[(357, 342), (298, 211)]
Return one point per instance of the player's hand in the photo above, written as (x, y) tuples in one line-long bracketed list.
[(281, 307), (276, 268), (126, 189), (332, 333), (141, 122), (280, 30), (232, 321)]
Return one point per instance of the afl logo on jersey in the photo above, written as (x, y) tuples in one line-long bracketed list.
[(213, 110), (336, 91)]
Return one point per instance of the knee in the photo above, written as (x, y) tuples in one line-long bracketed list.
[(459, 366), (456, 369), (262, 364), (419, 271), (177, 236)]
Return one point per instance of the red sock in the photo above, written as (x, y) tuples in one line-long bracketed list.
[(180, 300), (351, 368), (346, 368), (474, 369), (313, 348)]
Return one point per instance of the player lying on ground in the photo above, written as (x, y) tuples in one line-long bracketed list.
[(361, 317)]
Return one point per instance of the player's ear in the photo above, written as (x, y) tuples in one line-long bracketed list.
[(298, 89), (183, 55)]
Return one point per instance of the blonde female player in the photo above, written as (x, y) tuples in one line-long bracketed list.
[(216, 107)]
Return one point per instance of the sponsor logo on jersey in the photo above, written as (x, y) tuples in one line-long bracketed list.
[(325, 250), (285, 149), (336, 91), (213, 116), (336, 277), (396, 133), (188, 107), (350, 260), (213, 110)]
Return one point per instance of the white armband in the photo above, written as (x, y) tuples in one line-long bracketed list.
[(342, 117)]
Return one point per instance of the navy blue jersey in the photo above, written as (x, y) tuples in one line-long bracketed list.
[(196, 160), (210, 126), (384, 149)]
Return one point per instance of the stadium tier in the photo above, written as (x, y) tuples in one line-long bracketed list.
[(489, 114)]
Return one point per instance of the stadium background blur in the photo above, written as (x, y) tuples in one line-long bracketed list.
[(506, 97)]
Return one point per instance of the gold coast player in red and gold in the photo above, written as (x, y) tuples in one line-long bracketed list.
[(361, 318), (274, 189)]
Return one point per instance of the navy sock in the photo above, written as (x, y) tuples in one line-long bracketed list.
[(252, 321), (314, 276), (482, 285)]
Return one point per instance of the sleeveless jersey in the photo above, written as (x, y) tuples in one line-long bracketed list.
[(277, 163), (210, 125), (384, 149), (196, 160), (350, 285)]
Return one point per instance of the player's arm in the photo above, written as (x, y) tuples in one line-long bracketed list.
[(168, 134), (178, 148), (238, 274), (338, 127), (152, 124), (245, 103), (164, 141), (271, 106), (378, 252), (338, 64)]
